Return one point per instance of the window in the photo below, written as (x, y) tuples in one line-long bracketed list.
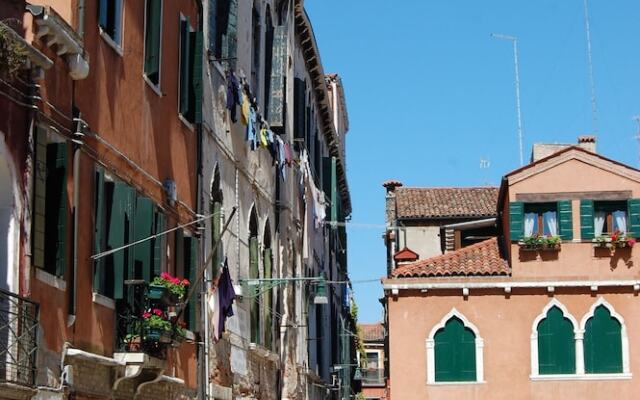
[(544, 219), (268, 55), (454, 351), (190, 263), (372, 360), (110, 20), (256, 33), (556, 346), (223, 32), (609, 216), (267, 273), (602, 343), (190, 79), (254, 273), (50, 203), (153, 40), (215, 208), (121, 217)]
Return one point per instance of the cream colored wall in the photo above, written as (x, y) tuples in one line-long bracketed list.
[(424, 240), (505, 324)]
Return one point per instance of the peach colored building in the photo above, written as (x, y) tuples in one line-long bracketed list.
[(546, 310), (373, 368)]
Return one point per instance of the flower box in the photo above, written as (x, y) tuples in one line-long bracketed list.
[(161, 294), (540, 243), (156, 335), (616, 241)]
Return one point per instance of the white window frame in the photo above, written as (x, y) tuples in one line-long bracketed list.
[(431, 354), (578, 329), (118, 47), (154, 87)]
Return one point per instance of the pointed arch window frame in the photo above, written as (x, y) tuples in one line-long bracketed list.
[(431, 354)]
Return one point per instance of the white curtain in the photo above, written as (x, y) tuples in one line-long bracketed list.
[(620, 220), (530, 220), (598, 222), (550, 223)]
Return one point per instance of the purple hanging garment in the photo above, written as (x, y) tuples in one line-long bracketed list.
[(226, 295)]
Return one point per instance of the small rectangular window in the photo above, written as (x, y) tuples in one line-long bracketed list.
[(190, 74), (223, 33), (541, 219), (153, 40), (110, 19), (609, 217)]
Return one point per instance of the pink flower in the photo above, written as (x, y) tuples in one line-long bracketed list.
[(146, 315), (185, 282), (631, 242), (157, 312), (165, 275)]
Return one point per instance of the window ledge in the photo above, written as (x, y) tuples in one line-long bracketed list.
[(466, 383), (153, 86), (115, 46), (51, 280), (217, 65), (583, 377), (185, 122), (104, 301)]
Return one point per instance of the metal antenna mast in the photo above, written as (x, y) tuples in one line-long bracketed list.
[(514, 40), (594, 106)]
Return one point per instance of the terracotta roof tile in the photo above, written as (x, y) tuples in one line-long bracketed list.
[(478, 259), (446, 202), (372, 332)]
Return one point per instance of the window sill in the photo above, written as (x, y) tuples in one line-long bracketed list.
[(583, 377), (456, 383), (186, 122), (217, 65), (153, 86), (115, 46), (51, 280), (104, 301)]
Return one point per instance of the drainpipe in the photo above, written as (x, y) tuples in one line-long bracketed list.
[(81, 18)]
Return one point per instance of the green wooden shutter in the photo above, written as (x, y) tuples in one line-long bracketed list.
[(334, 190), (152, 40), (184, 67), (516, 220), (565, 220), (40, 193), (254, 274), (633, 209), (455, 353), (98, 234), (556, 344), (116, 237), (197, 47), (158, 243), (268, 303), (56, 209), (276, 93), (143, 227), (602, 343), (230, 37), (300, 90), (586, 220), (216, 228), (191, 268)]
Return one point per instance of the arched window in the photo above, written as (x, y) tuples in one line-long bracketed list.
[(454, 351), (553, 341), (215, 208), (606, 346), (267, 264), (254, 273)]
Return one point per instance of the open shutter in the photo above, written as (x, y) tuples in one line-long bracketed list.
[(98, 234), (334, 191), (191, 267), (254, 274), (143, 226), (633, 209), (299, 110), (116, 237), (268, 303), (230, 39), (184, 67), (158, 243), (39, 201), (565, 220), (102, 13), (117, 21), (216, 228), (278, 61), (152, 40), (516, 220), (56, 209), (197, 47), (586, 220)]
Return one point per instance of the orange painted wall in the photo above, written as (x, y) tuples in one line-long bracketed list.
[(505, 324)]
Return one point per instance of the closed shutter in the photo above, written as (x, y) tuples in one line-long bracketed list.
[(516, 220), (565, 220), (39, 201), (56, 209), (231, 37), (143, 227), (254, 274), (212, 28), (153, 40), (300, 90), (268, 303), (116, 237), (216, 228), (184, 67), (633, 209), (98, 233), (455, 353), (602, 343), (191, 266), (556, 344), (586, 220), (158, 243), (197, 47)]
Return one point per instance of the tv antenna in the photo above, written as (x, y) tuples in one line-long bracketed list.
[(594, 106), (485, 163), (514, 40), (637, 136)]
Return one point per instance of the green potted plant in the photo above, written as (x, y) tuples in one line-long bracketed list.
[(156, 326), (530, 243), (614, 241), (167, 289), (551, 242)]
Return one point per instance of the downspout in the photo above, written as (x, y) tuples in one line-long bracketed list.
[(81, 18)]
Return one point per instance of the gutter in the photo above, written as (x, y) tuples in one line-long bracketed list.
[(397, 284), (472, 224)]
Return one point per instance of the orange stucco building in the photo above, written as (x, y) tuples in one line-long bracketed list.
[(545, 310)]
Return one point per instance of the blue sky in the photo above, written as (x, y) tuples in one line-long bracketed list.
[(430, 93)]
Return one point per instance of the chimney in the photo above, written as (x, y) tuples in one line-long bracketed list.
[(391, 185), (587, 142), (390, 200)]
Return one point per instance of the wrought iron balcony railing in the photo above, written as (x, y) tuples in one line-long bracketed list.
[(18, 339), (373, 376)]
